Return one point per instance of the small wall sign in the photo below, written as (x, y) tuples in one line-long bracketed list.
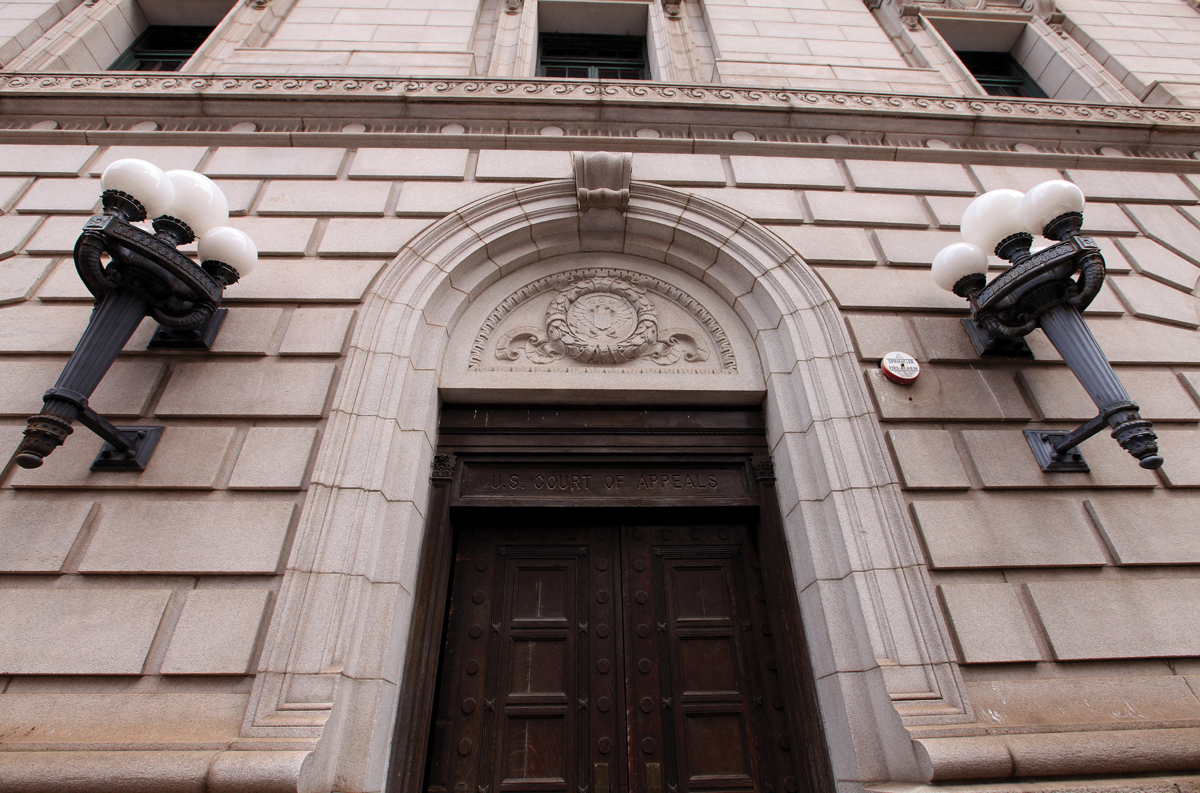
[(900, 367)]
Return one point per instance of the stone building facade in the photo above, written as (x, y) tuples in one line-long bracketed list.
[(249, 613)]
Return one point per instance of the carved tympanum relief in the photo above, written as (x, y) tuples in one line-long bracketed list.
[(601, 318)]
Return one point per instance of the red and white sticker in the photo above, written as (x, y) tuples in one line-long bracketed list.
[(900, 367)]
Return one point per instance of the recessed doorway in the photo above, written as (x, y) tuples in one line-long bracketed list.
[(610, 609)]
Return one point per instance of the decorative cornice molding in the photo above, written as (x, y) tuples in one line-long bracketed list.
[(174, 87), (109, 108)]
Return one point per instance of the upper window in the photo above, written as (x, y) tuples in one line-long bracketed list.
[(999, 74), (162, 48), (592, 56)]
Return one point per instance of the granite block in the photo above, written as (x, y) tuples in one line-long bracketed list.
[(886, 176), (1019, 532), (294, 389), (829, 244), (229, 537), (289, 162), (679, 169), (317, 331), (372, 163), (38, 535), (1088, 620), (1148, 531), (950, 394), (1003, 459), (78, 631), (216, 632), (273, 458), (989, 624), (186, 458), (868, 209), (785, 172), (927, 459)]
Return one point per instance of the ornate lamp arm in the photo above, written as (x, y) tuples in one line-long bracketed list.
[(1047, 289), (146, 275)]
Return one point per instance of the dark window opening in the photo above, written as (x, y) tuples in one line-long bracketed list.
[(592, 57), (162, 48), (1000, 74)]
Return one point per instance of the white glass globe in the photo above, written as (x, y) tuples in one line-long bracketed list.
[(143, 180), (198, 201), (992, 217), (231, 246), (1047, 201), (956, 261)]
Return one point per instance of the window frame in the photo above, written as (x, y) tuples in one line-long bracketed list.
[(594, 64)]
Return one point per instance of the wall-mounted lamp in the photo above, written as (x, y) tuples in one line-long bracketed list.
[(145, 275), (1045, 289)]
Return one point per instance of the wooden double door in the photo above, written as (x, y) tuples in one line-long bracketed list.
[(591, 656)]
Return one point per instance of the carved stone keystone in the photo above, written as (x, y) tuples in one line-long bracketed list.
[(602, 179)]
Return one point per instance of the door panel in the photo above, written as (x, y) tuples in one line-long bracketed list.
[(593, 659)]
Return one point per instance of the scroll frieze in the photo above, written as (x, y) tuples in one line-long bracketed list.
[(601, 318)]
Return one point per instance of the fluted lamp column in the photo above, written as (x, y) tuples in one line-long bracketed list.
[(1046, 289), (145, 275)]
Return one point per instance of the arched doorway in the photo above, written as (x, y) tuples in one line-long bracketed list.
[(333, 663)]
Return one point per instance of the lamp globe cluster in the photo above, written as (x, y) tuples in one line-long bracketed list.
[(995, 217), (185, 205)]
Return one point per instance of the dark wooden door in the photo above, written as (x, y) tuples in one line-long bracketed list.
[(604, 658)]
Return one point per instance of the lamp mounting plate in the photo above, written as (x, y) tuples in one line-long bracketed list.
[(201, 338), (988, 347), (1042, 442), (144, 439)]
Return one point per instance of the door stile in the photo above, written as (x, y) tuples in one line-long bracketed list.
[(795, 664)]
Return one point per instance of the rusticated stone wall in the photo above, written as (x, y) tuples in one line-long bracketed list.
[(137, 605)]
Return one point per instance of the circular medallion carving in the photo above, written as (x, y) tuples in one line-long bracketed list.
[(479, 596), (649, 745), (603, 666), (465, 746), (639, 565), (468, 705), (604, 703), (601, 564), (643, 630), (604, 745), (476, 631), (602, 320), (472, 666), (481, 564), (644, 666), (638, 534), (602, 596), (602, 630), (667, 534), (646, 704), (641, 597)]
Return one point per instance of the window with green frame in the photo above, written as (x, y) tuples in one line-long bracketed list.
[(592, 57), (161, 48), (1000, 74)]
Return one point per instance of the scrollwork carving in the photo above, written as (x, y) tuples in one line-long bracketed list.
[(603, 317)]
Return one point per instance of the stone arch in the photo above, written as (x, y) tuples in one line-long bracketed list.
[(329, 675)]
